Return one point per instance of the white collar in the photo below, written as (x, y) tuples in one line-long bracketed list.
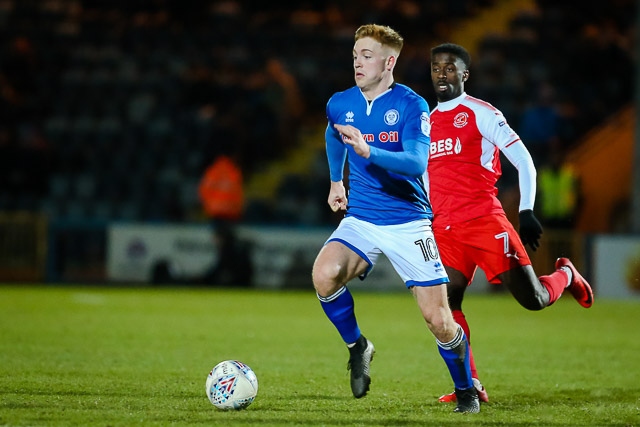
[(452, 103)]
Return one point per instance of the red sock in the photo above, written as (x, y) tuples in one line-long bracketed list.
[(458, 316), (555, 283)]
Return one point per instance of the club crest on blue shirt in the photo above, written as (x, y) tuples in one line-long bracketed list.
[(391, 117), (425, 124)]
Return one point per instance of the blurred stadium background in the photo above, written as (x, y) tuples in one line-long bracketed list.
[(112, 110)]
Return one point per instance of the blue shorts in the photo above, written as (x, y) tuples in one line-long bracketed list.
[(411, 248)]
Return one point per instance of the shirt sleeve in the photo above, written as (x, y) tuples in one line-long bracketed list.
[(336, 153), (494, 128), (411, 161), (519, 156)]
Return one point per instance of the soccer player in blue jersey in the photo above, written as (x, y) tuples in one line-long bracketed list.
[(382, 129)]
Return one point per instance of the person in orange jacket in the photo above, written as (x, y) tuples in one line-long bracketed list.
[(221, 194), (221, 190)]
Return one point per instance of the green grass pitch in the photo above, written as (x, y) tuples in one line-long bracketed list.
[(83, 356)]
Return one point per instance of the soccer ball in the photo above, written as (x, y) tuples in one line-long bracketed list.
[(231, 385)]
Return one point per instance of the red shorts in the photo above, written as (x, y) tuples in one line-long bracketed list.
[(489, 242)]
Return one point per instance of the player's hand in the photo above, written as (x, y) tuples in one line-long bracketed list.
[(353, 137), (338, 205), (530, 229), (337, 199)]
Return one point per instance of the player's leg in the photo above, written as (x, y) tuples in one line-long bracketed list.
[(536, 293), (452, 343), (411, 248), (505, 260), (529, 291), (460, 265), (455, 292), (458, 284), (335, 265)]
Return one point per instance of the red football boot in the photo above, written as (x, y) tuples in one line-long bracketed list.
[(482, 394), (579, 287)]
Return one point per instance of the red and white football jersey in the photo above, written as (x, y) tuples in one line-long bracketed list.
[(467, 135)]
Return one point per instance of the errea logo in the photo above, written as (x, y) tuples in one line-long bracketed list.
[(349, 118)]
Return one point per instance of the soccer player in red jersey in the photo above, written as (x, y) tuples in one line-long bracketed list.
[(470, 225)]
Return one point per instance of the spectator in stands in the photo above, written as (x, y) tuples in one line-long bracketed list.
[(221, 189), (559, 191), (275, 108), (285, 99), (540, 123), (65, 63), (222, 196)]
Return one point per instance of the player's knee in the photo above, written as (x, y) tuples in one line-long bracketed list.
[(455, 299), (443, 329), (534, 303), (325, 278)]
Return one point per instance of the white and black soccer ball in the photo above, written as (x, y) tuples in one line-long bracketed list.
[(231, 385)]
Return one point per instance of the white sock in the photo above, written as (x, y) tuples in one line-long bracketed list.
[(569, 274)]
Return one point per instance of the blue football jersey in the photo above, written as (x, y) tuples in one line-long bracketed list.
[(389, 187)]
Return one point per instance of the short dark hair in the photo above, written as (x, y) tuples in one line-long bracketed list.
[(454, 49)]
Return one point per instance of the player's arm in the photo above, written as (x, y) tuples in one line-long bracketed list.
[(530, 228), (411, 161), (495, 128), (336, 156), (520, 158), (336, 153)]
